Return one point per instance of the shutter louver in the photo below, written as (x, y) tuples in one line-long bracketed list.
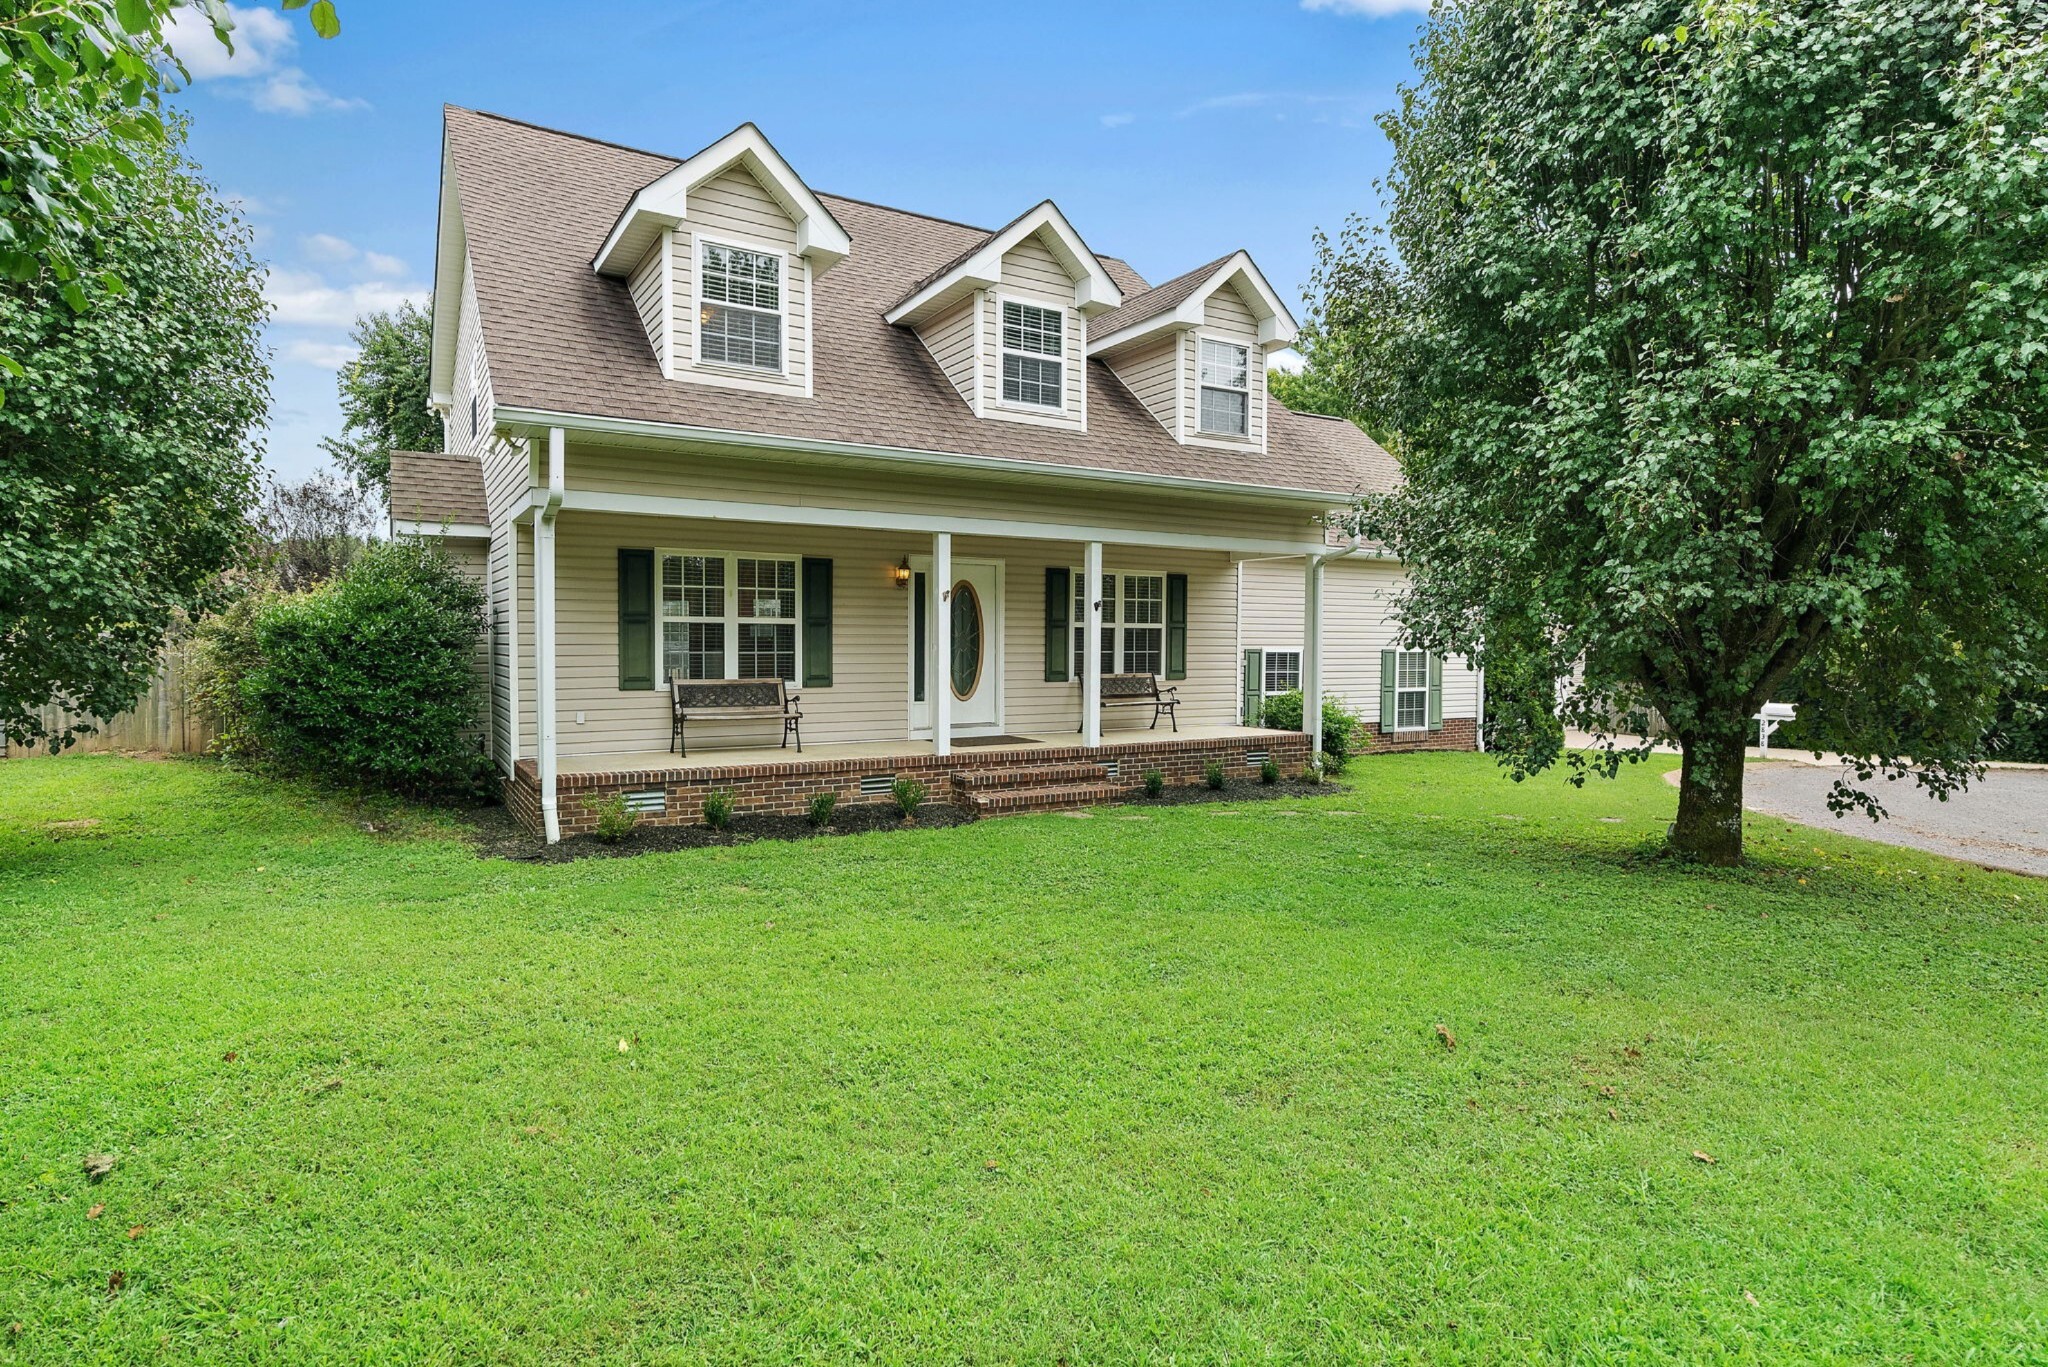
[(817, 582), (636, 619), (1059, 598), (1388, 660), (1436, 692), (1176, 626), (1254, 687)]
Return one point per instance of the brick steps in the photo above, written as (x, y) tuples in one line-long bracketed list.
[(1029, 776), (1049, 797)]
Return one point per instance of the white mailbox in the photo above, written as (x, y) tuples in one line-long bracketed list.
[(1773, 716)]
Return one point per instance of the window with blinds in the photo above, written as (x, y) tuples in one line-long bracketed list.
[(1133, 623), (1226, 389), (740, 313), (1033, 346), (728, 617)]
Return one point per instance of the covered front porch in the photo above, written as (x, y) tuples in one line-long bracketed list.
[(943, 645)]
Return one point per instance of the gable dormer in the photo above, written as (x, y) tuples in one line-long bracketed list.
[(720, 255), (1194, 349), (1007, 319)]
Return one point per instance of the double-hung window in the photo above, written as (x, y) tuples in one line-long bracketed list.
[(1226, 389), (1133, 623), (740, 319), (1032, 352), (1282, 672), (1411, 690), (727, 616)]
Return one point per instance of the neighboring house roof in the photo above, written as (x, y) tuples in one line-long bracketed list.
[(536, 205), (437, 487)]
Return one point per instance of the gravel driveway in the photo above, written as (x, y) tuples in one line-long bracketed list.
[(2001, 821)]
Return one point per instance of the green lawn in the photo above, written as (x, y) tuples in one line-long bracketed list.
[(1159, 1087)]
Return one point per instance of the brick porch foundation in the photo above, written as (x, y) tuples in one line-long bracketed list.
[(787, 788), (1457, 733)]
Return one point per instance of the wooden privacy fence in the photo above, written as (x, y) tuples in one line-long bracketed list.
[(166, 718)]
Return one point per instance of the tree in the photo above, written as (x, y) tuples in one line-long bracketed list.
[(384, 395), (81, 95), (312, 530), (1714, 345), (130, 452)]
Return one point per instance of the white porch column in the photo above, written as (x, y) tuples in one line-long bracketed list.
[(544, 638), (1091, 646), (1312, 653), (941, 684)]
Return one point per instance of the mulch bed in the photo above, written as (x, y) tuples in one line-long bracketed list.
[(497, 836)]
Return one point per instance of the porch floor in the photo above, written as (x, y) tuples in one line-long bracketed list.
[(640, 761)]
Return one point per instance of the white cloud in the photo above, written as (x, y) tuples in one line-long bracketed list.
[(377, 263), (324, 355), (328, 247), (1117, 120), (1288, 361), (259, 69), (308, 300), (1371, 9)]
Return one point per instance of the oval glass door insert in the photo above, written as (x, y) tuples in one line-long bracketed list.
[(966, 640)]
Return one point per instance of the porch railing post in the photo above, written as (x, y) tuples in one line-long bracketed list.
[(1312, 653), (941, 600), (1091, 646)]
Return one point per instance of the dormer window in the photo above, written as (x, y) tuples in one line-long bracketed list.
[(740, 307), (1032, 348), (1226, 389)]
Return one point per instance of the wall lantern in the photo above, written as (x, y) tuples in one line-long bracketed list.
[(902, 573)]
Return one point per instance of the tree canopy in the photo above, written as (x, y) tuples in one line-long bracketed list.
[(129, 452), (1713, 342), (384, 395)]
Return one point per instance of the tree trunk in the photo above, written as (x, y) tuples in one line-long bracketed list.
[(1709, 824)]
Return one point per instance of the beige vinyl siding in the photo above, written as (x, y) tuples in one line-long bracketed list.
[(1031, 274), (1151, 375), (733, 207), (1226, 318), (634, 470), (506, 610), (506, 468), (645, 285), (950, 339), (1358, 624), (870, 694)]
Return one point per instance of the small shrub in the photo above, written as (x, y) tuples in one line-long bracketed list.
[(1340, 724), (615, 820), (1212, 773), (1332, 763), (821, 808), (1269, 771), (909, 794), (1155, 783), (718, 809), (1312, 772)]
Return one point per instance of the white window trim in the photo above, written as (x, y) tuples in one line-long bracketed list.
[(1065, 358), (1266, 653), (1246, 348), (698, 242), (1394, 723), (732, 618), (1113, 656)]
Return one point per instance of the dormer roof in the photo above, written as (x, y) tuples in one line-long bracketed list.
[(1179, 303), (980, 266), (665, 202)]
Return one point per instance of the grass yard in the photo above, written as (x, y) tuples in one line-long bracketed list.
[(1146, 1087)]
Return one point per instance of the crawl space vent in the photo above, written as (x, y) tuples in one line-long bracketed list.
[(876, 785), (647, 801), (1256, 756)]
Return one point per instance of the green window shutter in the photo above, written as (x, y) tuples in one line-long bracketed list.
[(817, 623), (1387, 658), (1436, 692), (1176, 626), (1059, 599), (636, 618), (1254, 685)]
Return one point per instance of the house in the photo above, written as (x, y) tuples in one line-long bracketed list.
[(706, 422)]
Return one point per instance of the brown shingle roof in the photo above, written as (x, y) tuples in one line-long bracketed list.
[(1154, 301), (537, 203), (437, 487)]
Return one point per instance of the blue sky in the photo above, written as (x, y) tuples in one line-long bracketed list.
[(1169, 133)]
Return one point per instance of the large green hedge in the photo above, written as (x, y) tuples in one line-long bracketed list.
[(372, 680)]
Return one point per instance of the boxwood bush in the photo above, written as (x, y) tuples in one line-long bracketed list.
[(1340, 723), (371, 680)]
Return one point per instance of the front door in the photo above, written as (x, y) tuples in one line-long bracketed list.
[(972, 672)]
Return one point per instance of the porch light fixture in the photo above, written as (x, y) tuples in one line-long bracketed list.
[(901, 573)]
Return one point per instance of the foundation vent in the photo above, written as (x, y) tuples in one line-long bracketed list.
[(877, 785), (647, 801), (1109, 767), (1257, 756)]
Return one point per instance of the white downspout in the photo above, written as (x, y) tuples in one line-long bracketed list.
[(1312, 646), (544, 637)]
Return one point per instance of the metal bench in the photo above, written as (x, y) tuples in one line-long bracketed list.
[(1140, 690), (725, 699)]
